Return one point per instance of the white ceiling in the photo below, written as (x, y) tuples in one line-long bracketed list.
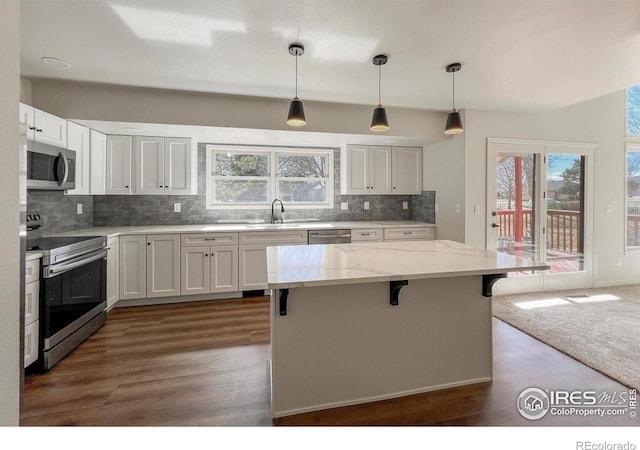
[(515, 55)]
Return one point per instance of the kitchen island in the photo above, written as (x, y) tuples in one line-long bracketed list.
[(355, 323)]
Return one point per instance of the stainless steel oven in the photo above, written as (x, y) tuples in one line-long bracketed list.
[(73, 294), (50, 167)]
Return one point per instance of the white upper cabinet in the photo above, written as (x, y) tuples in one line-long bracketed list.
[(164, 166), (406, 170), (78, 140), (98, 160), (379, 170), (118, 165), (44, 127)]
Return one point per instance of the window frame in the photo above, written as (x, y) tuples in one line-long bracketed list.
[(630, 147), (273, 178)]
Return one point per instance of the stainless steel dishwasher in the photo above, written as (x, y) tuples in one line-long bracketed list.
[(341, 236)]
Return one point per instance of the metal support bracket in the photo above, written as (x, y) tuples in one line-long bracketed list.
[(394, 291), (284, 293), (488, 281)]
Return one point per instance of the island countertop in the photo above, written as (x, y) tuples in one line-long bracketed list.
[(325, 265)]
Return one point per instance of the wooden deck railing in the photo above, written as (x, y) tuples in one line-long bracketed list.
[(563, 228)]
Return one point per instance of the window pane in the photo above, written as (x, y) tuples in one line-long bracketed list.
[(242, 165), (302, 166), (633, 110), (633, 199), (302, 191), (241, 191)]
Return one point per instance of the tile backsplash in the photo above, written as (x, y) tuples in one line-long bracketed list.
[(59, 211)]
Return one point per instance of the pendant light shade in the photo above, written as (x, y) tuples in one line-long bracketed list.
[(379, 120), (296, 116), (454, 121)]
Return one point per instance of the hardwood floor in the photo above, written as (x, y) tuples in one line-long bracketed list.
[(206, 364)]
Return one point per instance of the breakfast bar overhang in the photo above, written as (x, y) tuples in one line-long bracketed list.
[(355, 323)]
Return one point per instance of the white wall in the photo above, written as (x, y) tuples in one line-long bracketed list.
[(130, 104), (9, 219), (600, 121), (443, 172)]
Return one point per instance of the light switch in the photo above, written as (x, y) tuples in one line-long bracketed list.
[(79, 208), (476, 208), (366, 205), (609, 207), (344, 206), (177, 207)]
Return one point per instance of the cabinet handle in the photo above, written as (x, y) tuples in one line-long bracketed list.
[(32, 128), (206, 254), (365, 234), (209, 239), (394, 187), (166, 186), (160, 185), (407, 232), (126, 186), (148, 243), (39, 130)]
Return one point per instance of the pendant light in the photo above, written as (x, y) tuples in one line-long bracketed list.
[(454, 121), (379, 120), (296, 109)]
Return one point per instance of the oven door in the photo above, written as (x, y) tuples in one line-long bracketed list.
[(72, 293)]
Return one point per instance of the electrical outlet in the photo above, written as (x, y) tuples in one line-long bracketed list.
[(405, 205), (366, 205), (177, 207), (609, 208), (476, 209), (457, 208), (344, 206), (79, 208), (619, 261)]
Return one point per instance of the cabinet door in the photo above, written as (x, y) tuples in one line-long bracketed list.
[(27, 117), (113, 260), (78, 141), (224, 268), (406, 173), (178, 166), (149, 165), (195, 277), (133, 266), (355, 170), (97, 162), (31, 302), (31, 342), (379, 170), (118, 165), (50, 129), (252, 267), (163, 265)]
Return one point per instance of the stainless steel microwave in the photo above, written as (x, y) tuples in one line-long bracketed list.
[(50, 167)]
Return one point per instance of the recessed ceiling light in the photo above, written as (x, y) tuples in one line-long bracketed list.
[(133, 130), (55, 62)]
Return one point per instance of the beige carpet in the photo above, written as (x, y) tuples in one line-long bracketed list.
[(598, 327)]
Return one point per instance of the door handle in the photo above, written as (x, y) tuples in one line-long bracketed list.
[(495, 225)]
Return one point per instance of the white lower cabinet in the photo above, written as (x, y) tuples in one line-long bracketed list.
[(209, 263), (133, 266), (149, 266), (253, 254), (409, 234), (31, 311), (367, 235), (163, 265), (113, 262)]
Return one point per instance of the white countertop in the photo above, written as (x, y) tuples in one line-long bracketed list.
[(324, 265), (237, 227)]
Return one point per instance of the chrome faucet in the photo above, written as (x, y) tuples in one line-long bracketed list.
[(273, 215)]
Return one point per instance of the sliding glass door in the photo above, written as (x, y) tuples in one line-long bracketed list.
[(537, 197)]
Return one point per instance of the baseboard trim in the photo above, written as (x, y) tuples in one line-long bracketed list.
[(377, 398), (616, 283), (176, 299)]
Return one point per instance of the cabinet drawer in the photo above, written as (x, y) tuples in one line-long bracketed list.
[(32, 271), (200, 239), (31, 302), (367, 235), (274, 237), (409, 233), (31, 343)]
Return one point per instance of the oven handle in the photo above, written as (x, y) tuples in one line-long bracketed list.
[(53, 271)]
